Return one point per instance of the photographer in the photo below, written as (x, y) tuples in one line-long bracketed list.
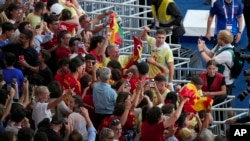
[(222, 56)]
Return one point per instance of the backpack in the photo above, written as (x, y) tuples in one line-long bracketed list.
[(238, 62)]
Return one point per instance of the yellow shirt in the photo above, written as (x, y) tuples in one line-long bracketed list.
[(162, 55), (123, 60), (34, 20)]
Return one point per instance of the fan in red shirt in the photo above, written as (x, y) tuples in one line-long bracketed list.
[(97, 47), (63, 49), (152, 129), (143, 69), (71, 80)]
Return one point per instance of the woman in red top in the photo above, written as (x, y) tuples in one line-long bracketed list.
[(214, 84), (63, 49), (97, 48)]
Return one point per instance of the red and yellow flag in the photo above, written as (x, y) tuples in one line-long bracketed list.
[(196, 103), (115, 30), (137, 52)]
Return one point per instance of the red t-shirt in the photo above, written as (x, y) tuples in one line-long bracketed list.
[(94, 53), (70, 82), (88, 103), (62, 52), (152, 132), (133, 81), (51, 43)]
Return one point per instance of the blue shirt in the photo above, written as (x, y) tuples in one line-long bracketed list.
[(10, 73), (104, 98), (221, 20)]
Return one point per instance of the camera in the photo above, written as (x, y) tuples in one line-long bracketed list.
[(243, 94)]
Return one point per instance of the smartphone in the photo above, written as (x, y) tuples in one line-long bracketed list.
[(127, 85), (8, 87), (21, 57), (200, 38), (25, 79), (80, 45), (151, 83)]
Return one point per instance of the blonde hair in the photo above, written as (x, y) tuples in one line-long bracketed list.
[(39, 91), (226, 36)]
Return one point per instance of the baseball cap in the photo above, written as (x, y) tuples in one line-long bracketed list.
[(57, 119), (56, 8)]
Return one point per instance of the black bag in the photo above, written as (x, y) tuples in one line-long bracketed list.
[(238, 62)]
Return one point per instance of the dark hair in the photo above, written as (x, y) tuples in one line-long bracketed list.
[(22, 25), (116, 74), (11, 7), (66, 15), (160, 78), (39, 6), (28, 34), (74, 64), (167, 109), (9, 58), (75, 136), (153, 115), (50, 3), (51, 18), (119, 109), (172, 98), (7, 26), (144, 101), (82, 18), (18, 115), (61, 35), (90, 57), (25, 134), (114, 64), (181, 120), (195, 79), (211, 63), (63, 61), (72, 41), (3, 96), (94, 41), (44, 124), (45, 54), (7, 136), (41, 136), (121, 97), (78, 100), (55, 89), (84, 80)]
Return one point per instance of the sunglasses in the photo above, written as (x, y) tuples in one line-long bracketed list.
[(115, 122)]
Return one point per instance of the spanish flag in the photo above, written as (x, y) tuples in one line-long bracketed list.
[(116, 30), (137, 52), (196, 103)]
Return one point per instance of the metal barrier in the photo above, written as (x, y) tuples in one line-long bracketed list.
[(220, 115)]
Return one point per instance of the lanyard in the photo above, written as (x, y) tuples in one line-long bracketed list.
[(225, 10)]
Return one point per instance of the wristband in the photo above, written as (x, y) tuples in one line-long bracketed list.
[(201, 51), (170, 83)]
